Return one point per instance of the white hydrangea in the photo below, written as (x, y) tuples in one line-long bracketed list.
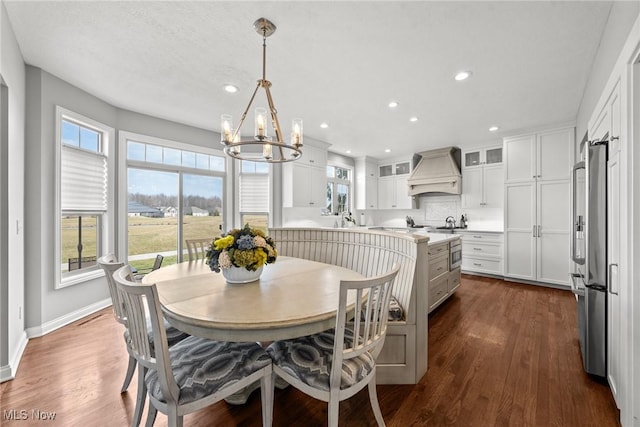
[(259, 242), (223, 260)]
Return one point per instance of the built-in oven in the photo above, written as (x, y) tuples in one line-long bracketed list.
[(455, 254)]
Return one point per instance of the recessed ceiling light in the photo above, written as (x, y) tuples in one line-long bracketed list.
[(387, 150), (393, 104), (413, 119), (348, 151), (230, 88), (324, 125), (463, 75), (493, 128)]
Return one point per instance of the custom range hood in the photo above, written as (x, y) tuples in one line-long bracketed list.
[(436, 171)]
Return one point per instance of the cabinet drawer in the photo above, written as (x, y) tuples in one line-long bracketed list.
[(454, 279), (481, 248), (482, 265), (481, 237), (440, 248), (438, 267), (438, 290)]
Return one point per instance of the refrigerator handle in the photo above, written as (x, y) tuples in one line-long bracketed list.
[(611, 281)]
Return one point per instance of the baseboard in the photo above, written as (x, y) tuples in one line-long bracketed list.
[(8, 372), (52, 325)]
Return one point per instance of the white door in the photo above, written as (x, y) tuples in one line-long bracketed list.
[(386, 193), (614, 309), (300, 185), (520, 231), (493, 186), (403, 200), (520, 161), (554, 154), (472, 188), (553, 232), (318, 182)]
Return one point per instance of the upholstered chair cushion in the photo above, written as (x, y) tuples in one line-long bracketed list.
[(202, 367), (396, 313), (309, 360)]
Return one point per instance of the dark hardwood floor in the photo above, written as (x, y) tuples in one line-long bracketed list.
[(500, 354)]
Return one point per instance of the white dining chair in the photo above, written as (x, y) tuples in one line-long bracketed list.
[(110, 265), (194, 373), (197, 248), (334, 365)]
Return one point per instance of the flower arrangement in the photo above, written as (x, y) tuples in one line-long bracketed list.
[(246, 247)]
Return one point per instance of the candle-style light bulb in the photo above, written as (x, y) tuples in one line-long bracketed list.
[(296, 134), (266, 152), (227, 128), (261, 122)]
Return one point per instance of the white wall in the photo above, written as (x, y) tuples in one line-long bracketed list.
[(12, 262), (46, 307), (621, 19)]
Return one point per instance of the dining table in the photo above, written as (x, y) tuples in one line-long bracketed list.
[(293, 297)]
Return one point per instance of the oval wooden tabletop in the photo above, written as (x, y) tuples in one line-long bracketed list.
[(294, 297)]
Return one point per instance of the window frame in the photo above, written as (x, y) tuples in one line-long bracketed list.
[(105, 233), (123, 138), (334, 181), (269, 177)]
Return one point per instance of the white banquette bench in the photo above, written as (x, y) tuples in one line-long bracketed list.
[(403, 359)]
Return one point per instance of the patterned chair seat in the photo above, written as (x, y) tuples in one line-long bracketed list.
[(309, 360), (202, 367)]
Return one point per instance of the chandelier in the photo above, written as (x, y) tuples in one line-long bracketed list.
[(262, 147)]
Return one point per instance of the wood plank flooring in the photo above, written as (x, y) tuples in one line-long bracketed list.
[(500, 354)]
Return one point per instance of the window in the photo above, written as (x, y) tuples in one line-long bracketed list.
[(254, 194), (174, 193), (338, 189), (85, 189)]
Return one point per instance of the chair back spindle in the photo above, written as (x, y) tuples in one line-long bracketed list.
[(140, 303)]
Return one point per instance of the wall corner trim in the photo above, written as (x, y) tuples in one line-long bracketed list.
[(8, 372)]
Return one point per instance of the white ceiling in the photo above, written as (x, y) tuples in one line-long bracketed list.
[(339, 62)]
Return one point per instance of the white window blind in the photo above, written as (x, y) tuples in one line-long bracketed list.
[(254, 193), (83, 180)]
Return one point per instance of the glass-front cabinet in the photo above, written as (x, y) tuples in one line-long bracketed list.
[(482, 156)]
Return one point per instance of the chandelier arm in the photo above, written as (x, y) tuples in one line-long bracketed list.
[(274, 114), (244, 115)]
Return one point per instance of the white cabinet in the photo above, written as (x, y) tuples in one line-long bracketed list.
[(393, 190), (482, 156), (366, 181), (313, 156), (304, 182), (537, 206), (483, 186), (482, 252), (608, 122), (482, 178)]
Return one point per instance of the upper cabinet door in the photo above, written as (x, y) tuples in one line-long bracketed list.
[(520, 159), (554, 154)]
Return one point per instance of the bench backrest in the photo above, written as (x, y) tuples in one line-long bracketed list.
[(367, 252)]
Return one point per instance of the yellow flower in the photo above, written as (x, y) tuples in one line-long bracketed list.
[(260, 258), (223, 242)]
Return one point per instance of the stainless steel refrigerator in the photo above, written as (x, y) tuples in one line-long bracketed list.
[(589, 253)]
